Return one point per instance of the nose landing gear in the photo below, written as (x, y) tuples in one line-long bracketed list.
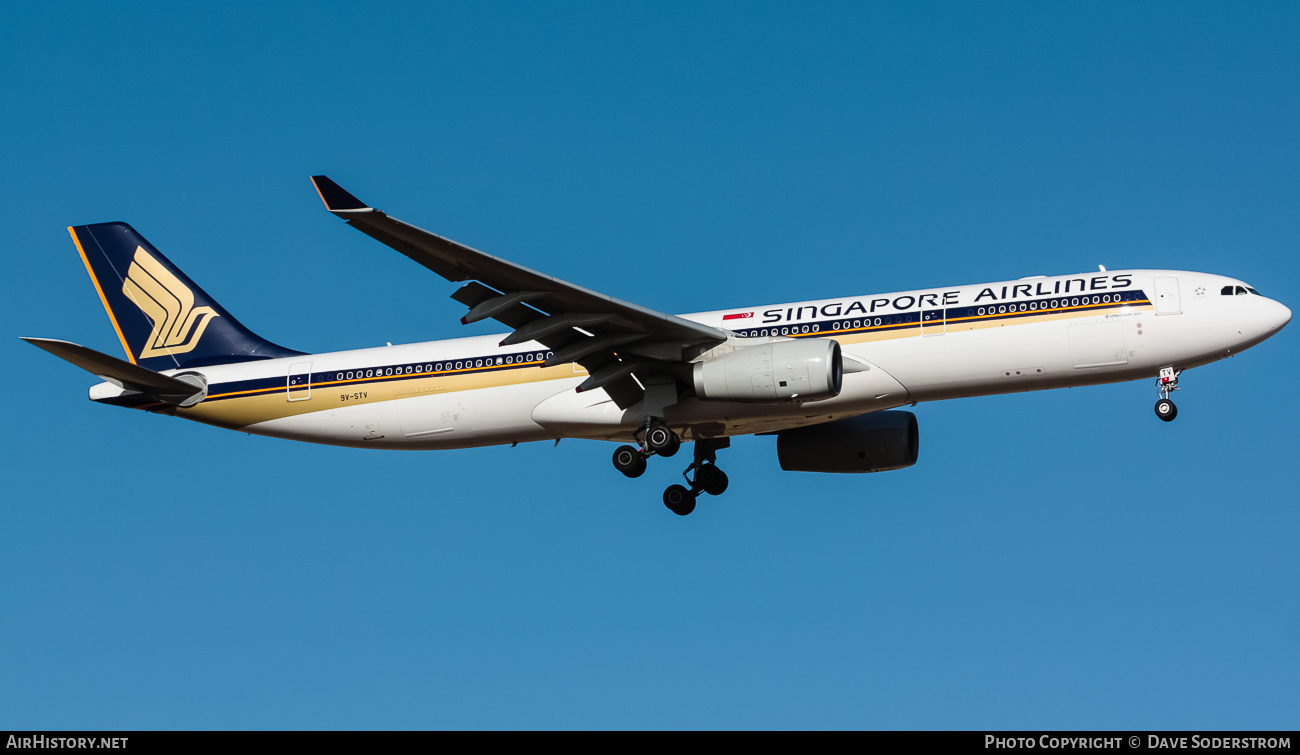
[(1167, 383)]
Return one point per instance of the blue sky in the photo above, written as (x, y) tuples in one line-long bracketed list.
[(1055, 560)]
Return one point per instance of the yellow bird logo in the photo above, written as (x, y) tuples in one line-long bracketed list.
[(169, 303)]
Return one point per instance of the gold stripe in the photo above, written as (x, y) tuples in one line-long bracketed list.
[(102, 298), (262, 404)]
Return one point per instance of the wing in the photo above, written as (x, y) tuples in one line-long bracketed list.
[(611, 338)]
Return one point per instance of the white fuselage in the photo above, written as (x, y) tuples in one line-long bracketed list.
[(900, 348)]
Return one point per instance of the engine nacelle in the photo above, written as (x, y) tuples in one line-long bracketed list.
[(802, 370), (870, 443)]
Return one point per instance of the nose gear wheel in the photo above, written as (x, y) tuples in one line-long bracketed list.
[(1167, 383)]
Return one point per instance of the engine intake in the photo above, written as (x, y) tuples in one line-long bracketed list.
[(802, 370), (876, 442)]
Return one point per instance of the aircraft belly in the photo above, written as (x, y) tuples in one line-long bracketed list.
[(359, 426), (1038, 356), (1194, 337), (1005, 360), (461, 419), (486, 416)]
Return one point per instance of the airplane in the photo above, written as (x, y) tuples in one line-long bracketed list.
[(826, 377)]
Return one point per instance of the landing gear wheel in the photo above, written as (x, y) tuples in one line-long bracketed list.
[(1167, 383), (679, 500), (719, 485), (629, 460), (662, 440), (710, 479)]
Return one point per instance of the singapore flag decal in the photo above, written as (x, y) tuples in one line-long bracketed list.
[(738, 316)]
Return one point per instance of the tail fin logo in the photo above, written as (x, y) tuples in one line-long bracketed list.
[(177, 323)]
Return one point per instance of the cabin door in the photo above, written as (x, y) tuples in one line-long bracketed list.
[(298, 386), (933, 322), (1167, 299)]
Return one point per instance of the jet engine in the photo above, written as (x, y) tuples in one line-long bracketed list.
[(802, 370), (870, 443)]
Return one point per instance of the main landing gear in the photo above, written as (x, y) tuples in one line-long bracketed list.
[(1167, 383), (654, 438), (702, 476), (707, 478)]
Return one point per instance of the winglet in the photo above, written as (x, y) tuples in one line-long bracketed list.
[(336, 198)]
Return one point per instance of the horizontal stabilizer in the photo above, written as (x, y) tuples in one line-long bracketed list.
[(122, 373)]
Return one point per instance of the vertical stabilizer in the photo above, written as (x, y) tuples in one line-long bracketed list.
[(163, 319)]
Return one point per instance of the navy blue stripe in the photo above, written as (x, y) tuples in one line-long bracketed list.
[(985, 313), (388, 373)]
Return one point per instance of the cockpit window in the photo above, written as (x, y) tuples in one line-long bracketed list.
[(1227, 291), (1238, 291)]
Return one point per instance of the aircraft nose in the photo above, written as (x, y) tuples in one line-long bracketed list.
[(1279, 315)]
